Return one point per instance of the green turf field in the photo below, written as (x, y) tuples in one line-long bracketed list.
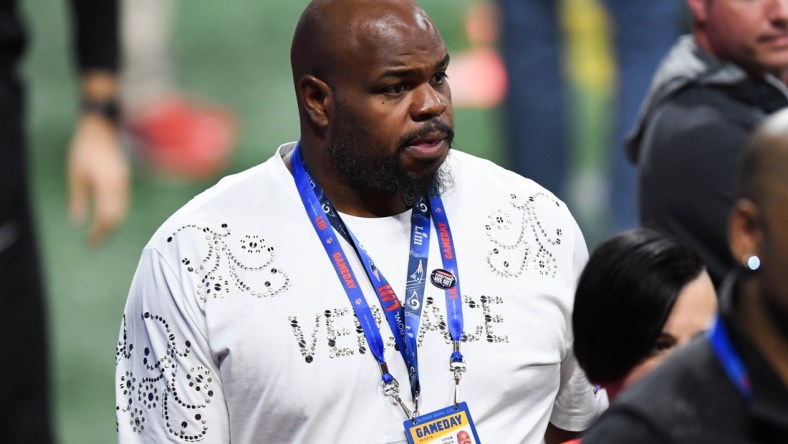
[(234, 52)]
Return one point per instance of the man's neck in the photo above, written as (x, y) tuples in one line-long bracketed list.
[(349, 200), (760, 326)]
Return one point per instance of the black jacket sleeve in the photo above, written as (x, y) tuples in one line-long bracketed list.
[(96, 34)]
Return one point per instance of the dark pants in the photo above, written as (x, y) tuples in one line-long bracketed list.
[(24, 372)]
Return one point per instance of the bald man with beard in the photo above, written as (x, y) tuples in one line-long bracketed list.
[(362, 276)]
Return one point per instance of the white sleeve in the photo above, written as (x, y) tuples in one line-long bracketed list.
[(579, 256), (167, 386), (578, 403)]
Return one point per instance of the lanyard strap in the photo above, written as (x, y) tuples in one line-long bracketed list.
[(734, 367), (319, 208), (453, 294), (449, 258), (406, 329)]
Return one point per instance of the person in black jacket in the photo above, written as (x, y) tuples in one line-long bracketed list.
[(731, 385), (708, 95), (98, 175)]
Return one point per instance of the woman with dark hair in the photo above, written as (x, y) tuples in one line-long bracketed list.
[(640, 295)]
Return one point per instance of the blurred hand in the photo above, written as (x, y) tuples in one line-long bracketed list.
[(98, 175)]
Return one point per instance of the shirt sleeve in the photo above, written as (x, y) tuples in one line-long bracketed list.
[(578, 403), (579, 256), (167, 385), (96, 34)]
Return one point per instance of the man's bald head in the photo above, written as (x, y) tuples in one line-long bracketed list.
[(763, 166), (332, 33), (374, 101)]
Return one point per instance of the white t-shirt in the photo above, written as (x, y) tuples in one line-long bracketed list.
[(238, 329)]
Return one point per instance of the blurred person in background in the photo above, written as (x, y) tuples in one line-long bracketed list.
[(536, 113), (98, 178), (708, 95), (730, 386), (641, 295), (478, 76), (256, 312), (176, 135)]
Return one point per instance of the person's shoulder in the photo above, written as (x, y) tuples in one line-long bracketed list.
[(698, 120), (619, 425), (641, 412), (233, 200), (512, 209), (707, 106), (685, 368), (686, 398), (486, 184)]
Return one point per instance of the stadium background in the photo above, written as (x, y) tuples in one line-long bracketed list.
[(236, 53)]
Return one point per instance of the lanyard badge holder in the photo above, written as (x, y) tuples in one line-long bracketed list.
[(455, 418)]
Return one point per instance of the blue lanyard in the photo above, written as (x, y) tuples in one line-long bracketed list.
[(722, 347), (321, 211), (449, 258)]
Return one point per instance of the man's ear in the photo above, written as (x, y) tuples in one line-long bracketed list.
[(318, 99), (699, 9), (744, 231)]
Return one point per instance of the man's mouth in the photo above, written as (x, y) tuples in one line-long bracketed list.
[(777, 39), (429, 146)]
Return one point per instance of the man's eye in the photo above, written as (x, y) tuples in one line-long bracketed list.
[(395, 89), (440, 77)]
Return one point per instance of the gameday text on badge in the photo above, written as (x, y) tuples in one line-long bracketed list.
[(434, 430)]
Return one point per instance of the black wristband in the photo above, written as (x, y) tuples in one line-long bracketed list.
[(107, 108)]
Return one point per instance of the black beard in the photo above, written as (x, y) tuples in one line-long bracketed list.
[(356, 163)]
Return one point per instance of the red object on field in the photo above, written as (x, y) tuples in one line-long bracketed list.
[(184, 139)]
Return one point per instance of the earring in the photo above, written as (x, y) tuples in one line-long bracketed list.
[(752, 262)]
